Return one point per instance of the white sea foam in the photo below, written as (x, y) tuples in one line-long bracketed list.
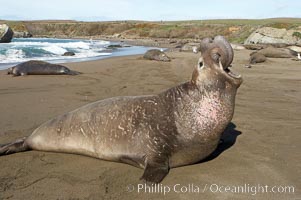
[(47, 49), (12, 55), (71, 45), (36, 48), (80, 45), (54, 49)]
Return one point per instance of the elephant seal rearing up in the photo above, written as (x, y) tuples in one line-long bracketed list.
[(35, 67), (177, 127)]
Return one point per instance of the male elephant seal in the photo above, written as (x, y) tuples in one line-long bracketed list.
[(177, 127), (35, 67)]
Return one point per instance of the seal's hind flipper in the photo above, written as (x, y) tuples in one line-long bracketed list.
[(71, 72), (155, 172), (14, 147)]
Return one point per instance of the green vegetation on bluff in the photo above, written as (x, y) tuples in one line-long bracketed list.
[(297, 34)]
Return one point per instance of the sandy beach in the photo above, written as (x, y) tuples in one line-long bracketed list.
[(261, 146)]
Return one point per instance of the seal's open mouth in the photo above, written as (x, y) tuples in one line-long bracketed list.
[(230, 73)]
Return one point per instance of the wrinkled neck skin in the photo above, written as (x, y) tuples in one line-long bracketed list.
[(202, 107), (213, 82)]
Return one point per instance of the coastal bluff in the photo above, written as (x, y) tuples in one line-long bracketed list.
[(181, 32)]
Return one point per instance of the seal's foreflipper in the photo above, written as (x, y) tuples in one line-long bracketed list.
[(155, 172), (14, 147)]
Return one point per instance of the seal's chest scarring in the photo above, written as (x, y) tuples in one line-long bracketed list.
[(211, 112)]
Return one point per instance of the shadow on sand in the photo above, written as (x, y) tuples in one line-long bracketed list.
[(228, 139)]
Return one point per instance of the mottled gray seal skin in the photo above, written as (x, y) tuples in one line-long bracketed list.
[(155, 54), (177, 127), (35, 67), (272, 52), (256, 57)]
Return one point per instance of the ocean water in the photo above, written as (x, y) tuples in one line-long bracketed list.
[(51, 50)]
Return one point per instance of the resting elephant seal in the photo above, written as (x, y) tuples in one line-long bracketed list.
[(155, 54), (35, 67), (256, 57), (177, 127), (272, 52)]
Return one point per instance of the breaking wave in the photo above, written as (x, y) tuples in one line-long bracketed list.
[(52, 49)]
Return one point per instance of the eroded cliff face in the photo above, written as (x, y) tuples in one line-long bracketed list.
[(132, 29), (77, 29), (236, 31)]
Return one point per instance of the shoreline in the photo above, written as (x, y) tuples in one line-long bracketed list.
[(76, 62), (155, 42), (148, 42), (135, 48)]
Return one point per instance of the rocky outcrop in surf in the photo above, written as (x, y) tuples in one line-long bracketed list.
[(69, 53), (6, 33)]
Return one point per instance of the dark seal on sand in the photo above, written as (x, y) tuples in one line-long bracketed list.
[(177, 127), (155, 54), (35, 67), (256, 57)]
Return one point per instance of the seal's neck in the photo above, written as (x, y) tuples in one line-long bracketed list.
[(199, 105), (188, 91), (200, 110)]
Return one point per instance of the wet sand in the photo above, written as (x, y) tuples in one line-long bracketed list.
[(261, 145)]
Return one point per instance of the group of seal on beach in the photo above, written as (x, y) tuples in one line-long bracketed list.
[(35, 67), (177, 127), (261, 55)]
